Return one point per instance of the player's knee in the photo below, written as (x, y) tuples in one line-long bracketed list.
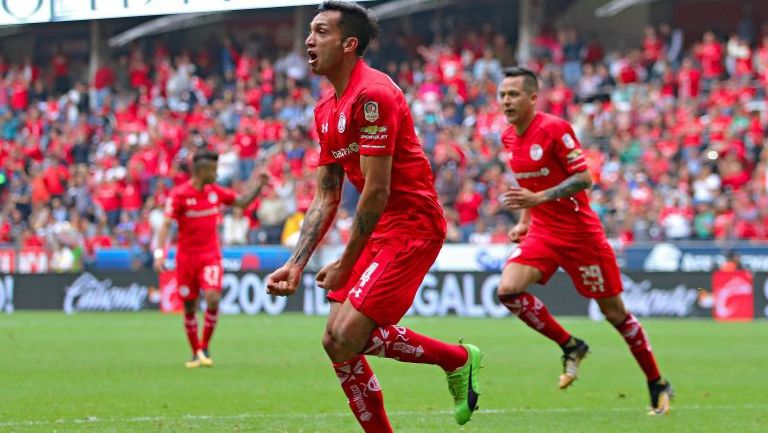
[(213, 302), (513, 302), (328, 343), (345, 338), (190, 307), (614, 314), (510, 288)]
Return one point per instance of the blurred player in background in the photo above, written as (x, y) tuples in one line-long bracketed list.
[(196, 205), (366, 132), (557, 228)]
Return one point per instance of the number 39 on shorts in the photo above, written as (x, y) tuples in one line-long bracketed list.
[(592, 277)]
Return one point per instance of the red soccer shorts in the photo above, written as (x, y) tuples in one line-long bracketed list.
[(197, 273), (386, 277), (590, 263)]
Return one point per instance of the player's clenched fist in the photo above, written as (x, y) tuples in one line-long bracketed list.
[(284, 281), (520, 198), (518, 232), (332, 276)]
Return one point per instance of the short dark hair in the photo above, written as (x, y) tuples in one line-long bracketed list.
[(202, 155), (530, 80), (356, 21)]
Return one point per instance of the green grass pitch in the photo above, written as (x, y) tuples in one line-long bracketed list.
[(124, 373)]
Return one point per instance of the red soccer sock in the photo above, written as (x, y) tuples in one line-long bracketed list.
[(209, 325), (363, 394), (190, 324), (634, 335), (534, 313), (402, 344)]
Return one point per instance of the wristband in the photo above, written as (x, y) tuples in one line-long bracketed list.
[(159, 254)]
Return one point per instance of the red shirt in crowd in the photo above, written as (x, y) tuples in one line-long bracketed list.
[(106, 194)]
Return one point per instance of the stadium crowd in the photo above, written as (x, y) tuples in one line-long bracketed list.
[(673, 131)]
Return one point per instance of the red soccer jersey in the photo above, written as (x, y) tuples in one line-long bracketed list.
[(546, 154), (372, 118), (197, 212)]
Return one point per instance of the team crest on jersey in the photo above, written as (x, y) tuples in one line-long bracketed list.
[(536, 152), (569, 142), (213, 197), (342, 125), (371, 111)]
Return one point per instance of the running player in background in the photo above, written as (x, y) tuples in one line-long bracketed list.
[(196, 206), (366, 132), (557, 228)]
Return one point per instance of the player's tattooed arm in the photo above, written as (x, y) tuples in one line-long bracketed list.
[(373, 199), (570, 186), (320, 214), (522, 198)]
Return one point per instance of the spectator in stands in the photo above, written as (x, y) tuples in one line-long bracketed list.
[(235, 228)]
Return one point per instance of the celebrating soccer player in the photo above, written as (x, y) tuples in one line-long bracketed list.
[(557, 228), (366, 132), (195, 205)]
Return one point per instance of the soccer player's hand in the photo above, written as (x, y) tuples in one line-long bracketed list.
[(518, 232), (261, 178), (284, 281), (519, 198), (332, 276)]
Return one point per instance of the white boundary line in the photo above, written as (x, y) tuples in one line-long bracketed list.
[(94, 420)]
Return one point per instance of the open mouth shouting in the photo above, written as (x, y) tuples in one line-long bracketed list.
[(312, 57)]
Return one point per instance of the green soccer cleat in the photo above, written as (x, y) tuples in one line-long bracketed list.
[(464, 385)]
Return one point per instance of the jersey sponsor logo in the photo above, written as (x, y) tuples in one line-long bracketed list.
[(201, 213), (342, 125), (531, 174), (373, 129), (371, 111), (324, 128), (374, 132), (569, 142), (536, 152), (213, 197), (345, 151), (574, 156)]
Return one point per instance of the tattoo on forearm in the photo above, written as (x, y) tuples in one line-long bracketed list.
[(332, 180), (318, 217), (566, 188), (309, 236), (365, 222)]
